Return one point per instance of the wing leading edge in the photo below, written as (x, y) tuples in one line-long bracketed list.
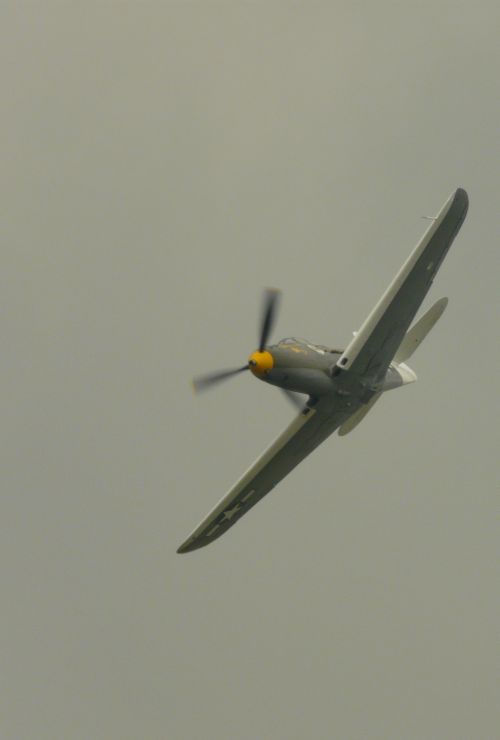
[(367, 356), (371, 351), (311, 427)]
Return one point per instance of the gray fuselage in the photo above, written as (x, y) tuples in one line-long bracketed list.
[(304, 367)]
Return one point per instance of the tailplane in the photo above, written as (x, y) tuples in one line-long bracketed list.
[(411, 341), (419, 331)]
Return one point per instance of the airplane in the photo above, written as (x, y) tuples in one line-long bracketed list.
[(342, 385)]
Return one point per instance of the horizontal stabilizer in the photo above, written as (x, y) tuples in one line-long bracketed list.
[(358, 416), (419, 331)]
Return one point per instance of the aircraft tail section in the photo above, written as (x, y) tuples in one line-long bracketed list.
[(411, 341), (419, 331)]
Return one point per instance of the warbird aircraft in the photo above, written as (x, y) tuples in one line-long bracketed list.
[(342, 385)]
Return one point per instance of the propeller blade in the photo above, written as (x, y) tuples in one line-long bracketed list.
[(269, 309), (203, 382), (297, 401)]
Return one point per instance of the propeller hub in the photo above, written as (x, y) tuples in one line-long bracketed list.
[(260, 363)]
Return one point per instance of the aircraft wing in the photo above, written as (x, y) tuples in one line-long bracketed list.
[(371, 351), (302, 436), (368, 355)]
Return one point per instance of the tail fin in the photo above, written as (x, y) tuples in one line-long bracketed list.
[(420, 330)]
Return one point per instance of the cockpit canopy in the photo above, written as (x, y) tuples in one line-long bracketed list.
[(294, 341)]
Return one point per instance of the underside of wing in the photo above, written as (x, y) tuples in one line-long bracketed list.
[(356, 418), (302, 436), (371, 351)]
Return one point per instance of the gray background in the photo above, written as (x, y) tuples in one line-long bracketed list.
[(161, 164)]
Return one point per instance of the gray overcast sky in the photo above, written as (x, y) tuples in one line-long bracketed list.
[(160, 164)]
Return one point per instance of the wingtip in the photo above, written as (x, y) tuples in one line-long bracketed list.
[(440, 305), (183, 548), (461, 195), (187, 546)]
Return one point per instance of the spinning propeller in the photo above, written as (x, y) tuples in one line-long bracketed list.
[(259, 361)]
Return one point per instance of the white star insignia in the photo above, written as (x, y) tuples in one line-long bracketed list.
[(231, 512)]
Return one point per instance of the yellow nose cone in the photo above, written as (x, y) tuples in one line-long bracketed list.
[(260, 363)]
